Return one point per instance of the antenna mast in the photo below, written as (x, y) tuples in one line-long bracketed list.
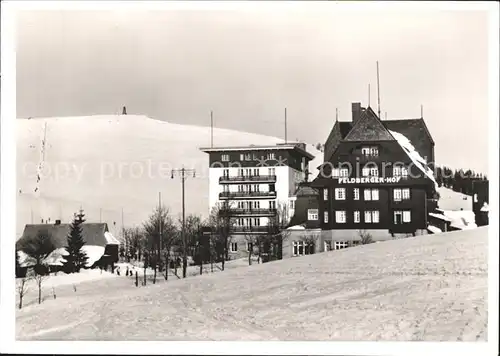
[(421, 111), (336, 114), (378, 91), (285, 128), (369, 92)]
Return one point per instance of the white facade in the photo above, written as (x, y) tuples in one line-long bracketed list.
[(284, 185)]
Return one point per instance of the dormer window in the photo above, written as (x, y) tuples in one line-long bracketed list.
[(369, 151)]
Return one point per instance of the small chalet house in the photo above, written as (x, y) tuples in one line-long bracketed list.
[(101, 246), (377, 178)]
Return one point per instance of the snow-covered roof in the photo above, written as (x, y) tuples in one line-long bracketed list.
[(296, 227), (485, 207), (416, 158), (440, 216), (434, 229), (56, 258), (111, 240), (94, 254)]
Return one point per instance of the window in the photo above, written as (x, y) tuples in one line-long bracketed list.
[(325, 217), (402, 217), (271, 155), (335, 173), (225, 173), (339, 193), (401, 194), (325, 194), (272, 205), (242, 157), (256, 188), (369, 172), (292, 204), (256, 172), (312, 214), (272, 171), (225, 188), (356, 193), (234, 247), (256, 222), (240, 172), (357, 216), (371, 194), (340, 216), (225, 158), (372, 216), (344, 173), (248, 156), (249, 246), (301, 248), (341, 244), (400, 171), (370, 151), (240, 188)]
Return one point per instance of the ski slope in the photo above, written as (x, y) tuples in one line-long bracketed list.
[(431, 288), (108, 162)]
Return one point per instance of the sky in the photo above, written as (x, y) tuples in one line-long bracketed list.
[(248, 65)]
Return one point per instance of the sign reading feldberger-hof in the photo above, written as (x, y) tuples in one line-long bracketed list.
[(369, 180)]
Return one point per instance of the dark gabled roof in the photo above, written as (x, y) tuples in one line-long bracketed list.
[(413, 129), (368, 128), (93, 233)]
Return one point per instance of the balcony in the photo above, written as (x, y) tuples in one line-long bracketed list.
[(246, 195), (246, 179), (249, 229), (251, 212)]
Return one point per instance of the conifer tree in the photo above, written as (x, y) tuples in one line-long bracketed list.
[(76, 258)]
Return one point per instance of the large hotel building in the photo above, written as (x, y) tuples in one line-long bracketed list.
[(255, 182), (377, 179)]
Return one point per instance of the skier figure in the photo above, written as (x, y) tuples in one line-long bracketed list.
[(118, 271), (126, 273)]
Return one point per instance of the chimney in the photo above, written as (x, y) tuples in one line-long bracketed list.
[(356, 112), (58, 222)]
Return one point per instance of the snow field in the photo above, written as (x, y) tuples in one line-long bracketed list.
[(431, 288)]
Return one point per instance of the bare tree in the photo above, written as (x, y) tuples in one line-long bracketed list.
[(221, 222), (22, 286), (277, 232), (39, 279), (154, 231), (310, 240), (133, 241), (365, 237), (191, 231)]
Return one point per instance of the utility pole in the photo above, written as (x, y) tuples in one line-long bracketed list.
[(211, 129), (182, 173)]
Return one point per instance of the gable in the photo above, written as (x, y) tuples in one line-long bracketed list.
[(368, 128)]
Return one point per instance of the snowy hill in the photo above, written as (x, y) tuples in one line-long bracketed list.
[(109, 162), (451, 200), (431, 288)]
